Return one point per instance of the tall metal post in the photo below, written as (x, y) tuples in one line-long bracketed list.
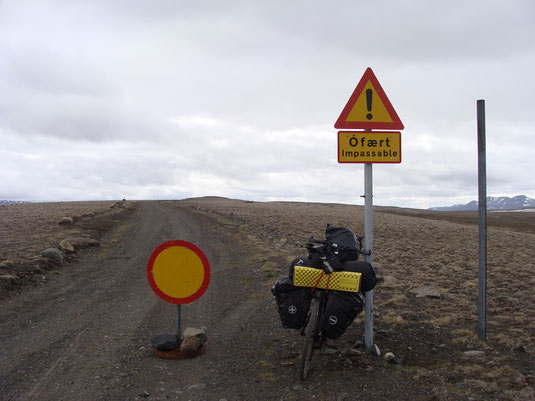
[(482, 198), (368, 238)]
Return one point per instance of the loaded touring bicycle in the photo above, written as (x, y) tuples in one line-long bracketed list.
[(323, 293)]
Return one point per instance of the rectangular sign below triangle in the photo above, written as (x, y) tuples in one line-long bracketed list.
[(369, 107)]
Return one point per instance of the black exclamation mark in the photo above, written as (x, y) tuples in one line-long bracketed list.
[(369, 94)]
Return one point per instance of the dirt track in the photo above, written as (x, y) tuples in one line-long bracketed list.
[(85, 335)]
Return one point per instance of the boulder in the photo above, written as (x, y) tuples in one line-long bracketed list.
[(67, 221), (429, 291), (164, 342), (54, 255), (66, 246), (190, 344), (194, 332)]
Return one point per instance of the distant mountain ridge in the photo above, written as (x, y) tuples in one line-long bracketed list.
[(494, 203), (4, 202)]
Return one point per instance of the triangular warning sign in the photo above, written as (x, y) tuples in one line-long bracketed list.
[(368, 107)]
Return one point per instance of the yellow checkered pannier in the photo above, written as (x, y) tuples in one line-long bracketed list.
[(340, 280)]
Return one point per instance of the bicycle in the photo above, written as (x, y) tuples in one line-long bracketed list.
[(315, 338)]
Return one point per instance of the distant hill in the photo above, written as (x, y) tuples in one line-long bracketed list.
[(494, 203)]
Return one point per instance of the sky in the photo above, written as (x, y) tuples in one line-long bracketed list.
[(170, 99)]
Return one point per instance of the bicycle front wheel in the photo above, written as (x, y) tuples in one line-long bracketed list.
[(310, 333)]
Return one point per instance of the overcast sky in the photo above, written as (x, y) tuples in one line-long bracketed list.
[(167, 99)]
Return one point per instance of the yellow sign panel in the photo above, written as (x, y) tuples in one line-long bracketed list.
[(369, 147), (369, 107), (178, 272)]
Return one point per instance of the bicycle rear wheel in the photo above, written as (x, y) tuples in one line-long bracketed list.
[(310, 333)]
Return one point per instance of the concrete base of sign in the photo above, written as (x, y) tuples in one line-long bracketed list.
[(177, 354)]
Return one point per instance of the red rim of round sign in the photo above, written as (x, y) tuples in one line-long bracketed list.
[(206, 266)]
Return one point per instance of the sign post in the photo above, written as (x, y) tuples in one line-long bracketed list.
[(369, 108), (179, 273), (482, 196)]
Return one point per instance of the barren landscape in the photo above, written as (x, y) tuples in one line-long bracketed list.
[(81, 328)]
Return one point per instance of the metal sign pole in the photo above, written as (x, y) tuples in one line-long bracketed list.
[(178, 328), (368, 238), (482, 195)]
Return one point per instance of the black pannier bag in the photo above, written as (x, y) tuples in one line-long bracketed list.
[(368, 278), (341, 309), (293, 303)]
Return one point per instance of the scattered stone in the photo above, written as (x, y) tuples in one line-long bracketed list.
[(193, 332), (387, 332), (358, 344), (200, 386), (474, 353), (520, 349), (66, 246), (331, 351), (190, 344), (54, 255), (6, 264), (164, 342), (351, 352), (375, 350), (389, 280), (297, 387), (389, 356), (428, 291), (9, 277), (83, 242), (399, 360), (144, 394), (67, 221)]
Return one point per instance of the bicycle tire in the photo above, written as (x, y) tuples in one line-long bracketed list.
[(310, 333)]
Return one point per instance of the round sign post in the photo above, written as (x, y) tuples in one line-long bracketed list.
[(179, 273)]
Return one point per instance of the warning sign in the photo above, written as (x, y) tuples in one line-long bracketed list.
[(369, 147), (368, 107)]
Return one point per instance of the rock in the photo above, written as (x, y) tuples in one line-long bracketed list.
[(399, 360), (6, 264), (164, 342), (144, 394), (200, 386), (351, 352), (83, 242), (428, 291), (389, 280), (358, 344), (66, 221), (66, 246), (190, 344), (331, 351), (474, 353), (54, 255), (375, 350), (389, 356), (193, 332)]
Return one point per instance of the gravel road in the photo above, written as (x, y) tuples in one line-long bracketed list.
[(86, 334)]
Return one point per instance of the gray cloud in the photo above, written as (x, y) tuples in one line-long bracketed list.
[(174, 99)]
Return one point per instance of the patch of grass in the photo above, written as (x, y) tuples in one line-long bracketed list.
[(393, 318), (270, 377), (262, 363)]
